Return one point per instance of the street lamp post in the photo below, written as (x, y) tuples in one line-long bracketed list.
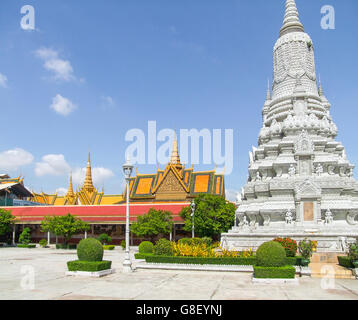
[(192, 217), (127, 170)]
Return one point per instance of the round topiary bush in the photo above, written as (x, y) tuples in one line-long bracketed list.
[(163, 247), (146, 247), (90, 250), (271, 254)]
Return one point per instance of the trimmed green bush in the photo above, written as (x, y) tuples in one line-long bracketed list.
[(207, 240), (146, 247), (293, 261), (89, 266), (345, 261), (271, 254), (43, 243), (123, 244), (163, 247), (285, 272), (196, 241), (142, 255), (90, 250), (109, 247), (29, 246), (25, 236)]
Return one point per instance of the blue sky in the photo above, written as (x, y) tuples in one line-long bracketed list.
[(115, 65)]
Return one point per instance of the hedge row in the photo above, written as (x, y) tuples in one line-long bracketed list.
[(345, 261), (142, 255), (90, 266), (249, 261), (68, 246), (109, 247), (29, 246), (286, 272)]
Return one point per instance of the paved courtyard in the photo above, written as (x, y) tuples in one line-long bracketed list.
[(50, 283)]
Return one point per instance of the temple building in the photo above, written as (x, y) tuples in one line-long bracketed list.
[(300, 182), (170, 189), (13, 192), (174, 183)]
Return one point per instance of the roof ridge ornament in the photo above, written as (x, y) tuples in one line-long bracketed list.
[(291, 21)]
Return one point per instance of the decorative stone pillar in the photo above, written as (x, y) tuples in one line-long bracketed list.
[(85, 234), (48, 237), (318, 212)]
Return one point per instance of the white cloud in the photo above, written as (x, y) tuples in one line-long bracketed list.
[(3, 81), (231, 195), (46, 53), (52, 164), (15, 158), (107, 102), (99, 175), (61, 191), (62, 106), (62, 69)]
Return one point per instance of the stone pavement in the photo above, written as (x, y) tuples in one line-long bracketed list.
[(50, 282)]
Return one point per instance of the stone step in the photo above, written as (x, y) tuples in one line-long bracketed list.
[(330, 270)]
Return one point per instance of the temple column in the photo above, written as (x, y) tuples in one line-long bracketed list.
[(48, 237)]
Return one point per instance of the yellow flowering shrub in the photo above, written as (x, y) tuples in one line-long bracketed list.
[(202, 250)]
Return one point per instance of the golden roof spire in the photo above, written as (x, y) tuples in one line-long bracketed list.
[(88, 185), (175, 159), (70, 192)]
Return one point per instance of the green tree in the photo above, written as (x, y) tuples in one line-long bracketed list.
[(213, 215), (25, 236), (104, 238), (7, 220), (153, 223), (65, 226)]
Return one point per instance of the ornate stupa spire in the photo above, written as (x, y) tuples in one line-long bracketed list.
[(88, 184), (70, 192), (291, 22)]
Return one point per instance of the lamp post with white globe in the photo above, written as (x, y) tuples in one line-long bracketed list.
[(192, 205), (127, 170)]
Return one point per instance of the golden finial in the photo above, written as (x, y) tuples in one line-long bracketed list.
[(175, 159), (88, 184), (70, 192)]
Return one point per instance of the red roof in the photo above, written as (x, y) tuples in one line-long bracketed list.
[(106, 214)]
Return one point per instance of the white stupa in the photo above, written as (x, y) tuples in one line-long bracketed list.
[(300, 182)]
